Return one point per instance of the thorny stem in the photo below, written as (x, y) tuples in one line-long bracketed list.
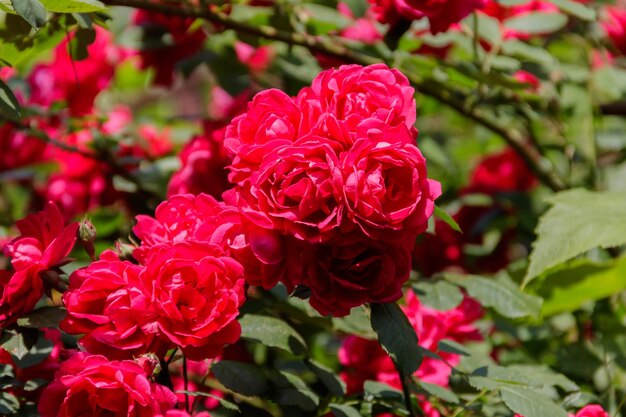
[(514, 138)]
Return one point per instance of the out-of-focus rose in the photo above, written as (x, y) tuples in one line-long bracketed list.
[(76, 82), (440, 13), (18, 149), (614, 24), (256, 59), (502, 172), (92, 385), (365, 360), (162, 56)]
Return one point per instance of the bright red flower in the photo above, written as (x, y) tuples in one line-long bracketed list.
[(194, 294), (93, 385), (385, 186), (44, 242), (105, 304), (43, 246)]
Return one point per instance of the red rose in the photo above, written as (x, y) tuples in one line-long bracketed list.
[(194, 294), (244, 234), (105, 305), (502, 172), (272, 120), (345, 276), (614, 24), (45, 241), (352, 93), (42, 248), (92, 385), (294, 187), (593, 410), (385, 186)]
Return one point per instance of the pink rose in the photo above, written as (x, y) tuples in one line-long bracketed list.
[(76, 82), (92, 385), (593, 410), (614, 24), (385, 186)]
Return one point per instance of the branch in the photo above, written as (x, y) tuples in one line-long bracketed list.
[(512, 137)]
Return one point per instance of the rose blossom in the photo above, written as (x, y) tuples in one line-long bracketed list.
[(194, 294), (272, 120), (246, 235), (92, 385), (76, 82), (43, 246), (105, 304), (344, 276), (352, 93), (614, 24), (385, 186)]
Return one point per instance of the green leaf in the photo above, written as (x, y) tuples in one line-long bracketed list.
[(499, 293), (440, 295), (494, 377), (272, 332), (224, 403), (74, 6), (45, 317), (396, 336), (537, 22), (9, 107), (578, 221), (356, 323), (242, 378), (335, 385), (292, 390), (378, 389), (447, 219), (9, 404), (575, 9), (530, 403), (567, 287), (450, 346), (31, 10), (342, 410), (439, 392), (489, 29)]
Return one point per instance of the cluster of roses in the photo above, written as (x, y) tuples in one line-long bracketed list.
[(334, 184)]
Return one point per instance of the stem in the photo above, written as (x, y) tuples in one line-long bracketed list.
[(406, 391), (186, 384), (512, 137)]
